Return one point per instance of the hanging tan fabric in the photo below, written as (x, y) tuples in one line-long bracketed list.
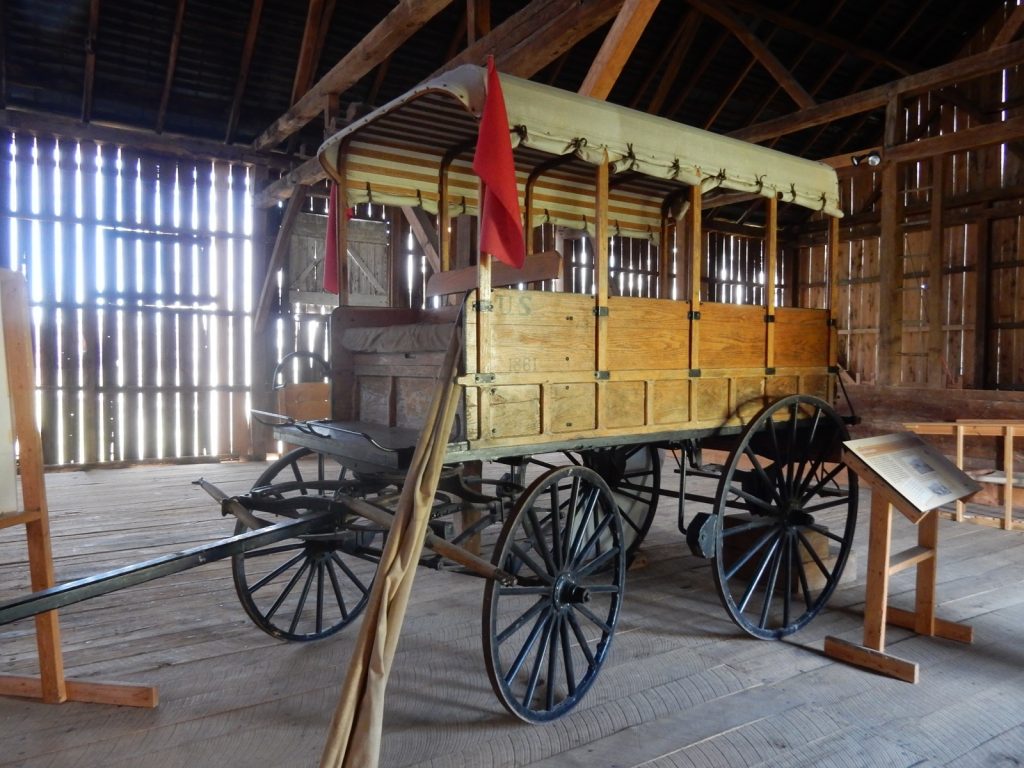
[(354, 738)]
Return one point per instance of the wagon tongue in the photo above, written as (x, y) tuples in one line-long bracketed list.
[(93, 586)]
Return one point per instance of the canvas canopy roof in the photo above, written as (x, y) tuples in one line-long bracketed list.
[(394, 155)]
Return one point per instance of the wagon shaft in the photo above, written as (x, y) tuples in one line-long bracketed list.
[(93, 586)]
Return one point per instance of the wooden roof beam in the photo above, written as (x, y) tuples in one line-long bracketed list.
[(976, 137), (819, 34), (1010, 28), (172, 144), (255, 14), (727, 95), (318, 22), (618, 44), (90, 61), (478, 20), (767, 59), (172, 64), (537, 34), (874, 98), (404, 20), (522, 45), (770, 96)]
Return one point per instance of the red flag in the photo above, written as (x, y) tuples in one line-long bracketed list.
[(501, 226), (331, 246)]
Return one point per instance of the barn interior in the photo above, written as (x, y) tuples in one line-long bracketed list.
[(163, 196)]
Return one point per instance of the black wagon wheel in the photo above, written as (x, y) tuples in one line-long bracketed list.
[(783, 523), (633, 473), (546, 637), (311, 586)]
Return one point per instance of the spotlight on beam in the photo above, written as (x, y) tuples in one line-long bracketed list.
[(872, 158)]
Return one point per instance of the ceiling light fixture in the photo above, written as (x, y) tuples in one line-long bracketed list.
[(871, 158)]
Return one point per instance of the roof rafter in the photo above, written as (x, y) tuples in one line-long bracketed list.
[(696, 74), (768, 59), (90, 60), (1010, 28), (819, 34), (717, 110), (537, 34), (478, 19), (770, 96), (618, 44), (255, 14), (172, 64), (380, 42), (318, 22), (669, 62), (522, 45), (873, 98)]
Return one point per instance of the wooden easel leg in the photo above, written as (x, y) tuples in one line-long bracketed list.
[(876, 598), (871, 655)]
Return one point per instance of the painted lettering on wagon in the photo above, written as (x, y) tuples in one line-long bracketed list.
[(517, 303)]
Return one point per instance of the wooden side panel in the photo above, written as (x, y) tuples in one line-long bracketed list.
[(537, 331), (570, 407), (647, 334), (710, 400), (671, 401), (514, 410), (731, 336), (625, 403), (801, 337)]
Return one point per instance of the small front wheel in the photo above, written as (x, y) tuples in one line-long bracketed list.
[(546, 637)]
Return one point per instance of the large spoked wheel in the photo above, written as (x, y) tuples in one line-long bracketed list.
[(546, 638), (783, 524), (312, 586), (633, 473)]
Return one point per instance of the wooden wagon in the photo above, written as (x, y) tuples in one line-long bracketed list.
[(568, 385)]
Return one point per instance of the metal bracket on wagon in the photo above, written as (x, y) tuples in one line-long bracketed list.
[(700, 535)]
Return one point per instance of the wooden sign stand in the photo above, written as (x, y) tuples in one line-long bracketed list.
[(881, 565), (50, 686)]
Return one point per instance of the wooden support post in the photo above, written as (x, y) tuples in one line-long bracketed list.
[(890, 320), (601, 278), (934, 300), (881, 565), (695, 249), (50, 686), (771, 264), (833, 301)]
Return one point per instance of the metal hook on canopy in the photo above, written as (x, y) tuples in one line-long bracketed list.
[(369, 194)]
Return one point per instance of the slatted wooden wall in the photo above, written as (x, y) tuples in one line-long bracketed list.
[(140, 272)]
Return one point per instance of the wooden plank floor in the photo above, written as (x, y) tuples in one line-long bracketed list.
[(681, 688)]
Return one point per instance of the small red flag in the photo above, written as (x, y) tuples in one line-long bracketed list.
[(501, 225)]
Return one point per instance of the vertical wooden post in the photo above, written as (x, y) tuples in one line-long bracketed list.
[(50, 686), (879, 553), (771, 264), (890, 311), (833, 299), (341, 224), (935, 304), (981, 370), (601, 287)]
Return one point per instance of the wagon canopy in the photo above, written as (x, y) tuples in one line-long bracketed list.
[(394, 155)]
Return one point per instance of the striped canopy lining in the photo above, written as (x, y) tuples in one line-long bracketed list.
[(395, 158)]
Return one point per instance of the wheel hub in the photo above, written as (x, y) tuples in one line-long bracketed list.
[(567, 592)]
